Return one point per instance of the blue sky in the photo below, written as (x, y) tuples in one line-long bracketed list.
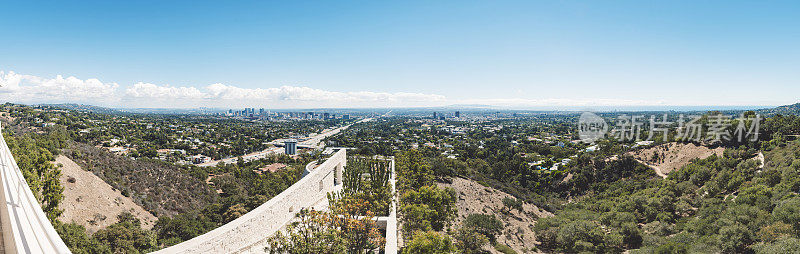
[(402, 53)]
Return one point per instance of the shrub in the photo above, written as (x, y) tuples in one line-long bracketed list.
[(78, 240), (487, 225), (512, 203), (788, 212), (416, 218), (440, 201), (430, 243), (126, 236), (504, 249), (469, 241)]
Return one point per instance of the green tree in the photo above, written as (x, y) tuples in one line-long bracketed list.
[(735, 238), (417, 217), (234, 211), (469, 241), (78, 241), (788, 211), (441, 201), (413, 170), (485, 224), (430, 243), (782, 245), (35, 154), (126, 236)]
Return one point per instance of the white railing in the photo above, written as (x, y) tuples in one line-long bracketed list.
[(391, 222), (26, 228)]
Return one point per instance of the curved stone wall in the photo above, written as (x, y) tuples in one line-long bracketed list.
[(248, 233)]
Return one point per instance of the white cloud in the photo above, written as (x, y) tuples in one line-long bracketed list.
[(16, 87), (294, 93), (221, 95), (32, 89), (147, 90)]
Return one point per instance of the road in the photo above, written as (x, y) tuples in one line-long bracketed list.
[(314, 141)]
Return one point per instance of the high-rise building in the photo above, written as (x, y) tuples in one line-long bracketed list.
[(458, 114), (434, 116), (290, 146)]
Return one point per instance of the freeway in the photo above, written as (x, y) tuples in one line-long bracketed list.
[(314, 141)]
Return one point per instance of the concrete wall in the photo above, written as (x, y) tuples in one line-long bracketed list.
[(25, 226), (391, 222), (248, 233)]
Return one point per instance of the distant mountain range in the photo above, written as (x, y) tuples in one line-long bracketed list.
[(793, 109), (99, 109), (85, 108)]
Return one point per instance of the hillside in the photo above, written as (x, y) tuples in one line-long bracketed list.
[(91, 202), (161, 188), (670, 156), (84, 108), (793, 109), (518, 225)]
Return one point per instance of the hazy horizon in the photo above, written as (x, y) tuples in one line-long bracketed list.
[(455, 107)]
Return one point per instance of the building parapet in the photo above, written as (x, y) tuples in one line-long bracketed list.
[(25, 226)]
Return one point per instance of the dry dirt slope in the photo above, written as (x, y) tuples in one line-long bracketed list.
[(476, 198), (671, 156), (91, 202)]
